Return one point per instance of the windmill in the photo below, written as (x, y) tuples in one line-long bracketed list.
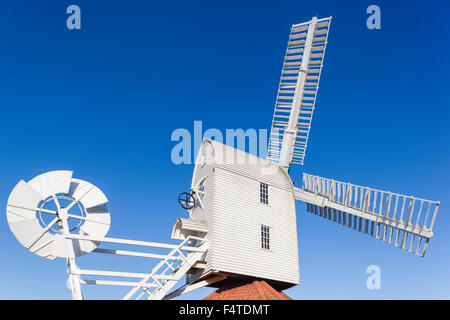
[(242, 218)]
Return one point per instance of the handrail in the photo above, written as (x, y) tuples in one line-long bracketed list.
[(173, 261), (151, 275), (134, 242)]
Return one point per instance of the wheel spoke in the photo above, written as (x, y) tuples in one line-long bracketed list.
[(55, 199), (35, 209), (85, 218), (74, 202), (74, 216)]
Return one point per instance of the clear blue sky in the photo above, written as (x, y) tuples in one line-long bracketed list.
[(104, 100)]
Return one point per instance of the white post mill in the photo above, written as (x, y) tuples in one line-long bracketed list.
[(242, 217)]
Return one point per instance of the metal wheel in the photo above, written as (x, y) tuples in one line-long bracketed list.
[(186, 200)]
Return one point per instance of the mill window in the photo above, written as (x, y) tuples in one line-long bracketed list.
[(264, 193), (265, 237)]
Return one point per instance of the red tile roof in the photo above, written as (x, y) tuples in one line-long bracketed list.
[(255, 290)]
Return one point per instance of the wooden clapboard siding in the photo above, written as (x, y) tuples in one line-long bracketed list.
[(238, 216), (234, 214)]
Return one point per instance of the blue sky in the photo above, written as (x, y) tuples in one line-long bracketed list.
[(103, 101)]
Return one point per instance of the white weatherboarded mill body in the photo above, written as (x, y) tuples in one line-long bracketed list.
[(235, 209), (242, 219)]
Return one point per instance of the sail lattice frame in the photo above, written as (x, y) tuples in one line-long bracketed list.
[(289, 86)]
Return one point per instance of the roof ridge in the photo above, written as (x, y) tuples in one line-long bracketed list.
[(259, 287), (246, 290), (272, 290)]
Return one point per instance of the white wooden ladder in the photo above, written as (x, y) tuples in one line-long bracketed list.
[(154, 285), (166, 274)]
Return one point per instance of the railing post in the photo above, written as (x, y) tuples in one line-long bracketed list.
[(332, 191), (315, 185), (434, 215), (410, 209), (388, 204)]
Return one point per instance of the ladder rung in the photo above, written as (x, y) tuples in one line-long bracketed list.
[(299, 154), (282, 111), (289, 71), (289, 51), (276, 134), (286, 91), (320, 32), (290, 84), (317, 48), (289, 78), (318, 39), (285, 98), (294, 57), (286, 107), (299, 29), (322, 24), (298, 35), (287, 64), (296, 43), (291, 68)]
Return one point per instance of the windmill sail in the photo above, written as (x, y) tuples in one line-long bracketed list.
[(403, 221), (297, 91)]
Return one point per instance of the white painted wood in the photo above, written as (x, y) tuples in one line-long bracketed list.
[(290, 131), (297, 92), (186, 227), (222, 236), (234, 213), (374, 212)]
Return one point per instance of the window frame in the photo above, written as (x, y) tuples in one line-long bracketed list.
[(265, 237), (263, 193)]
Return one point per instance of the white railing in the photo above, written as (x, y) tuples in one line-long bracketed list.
[(163, 267), (409, 210), (161, 278)]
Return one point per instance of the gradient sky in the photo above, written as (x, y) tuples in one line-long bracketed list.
[(103, 101)]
